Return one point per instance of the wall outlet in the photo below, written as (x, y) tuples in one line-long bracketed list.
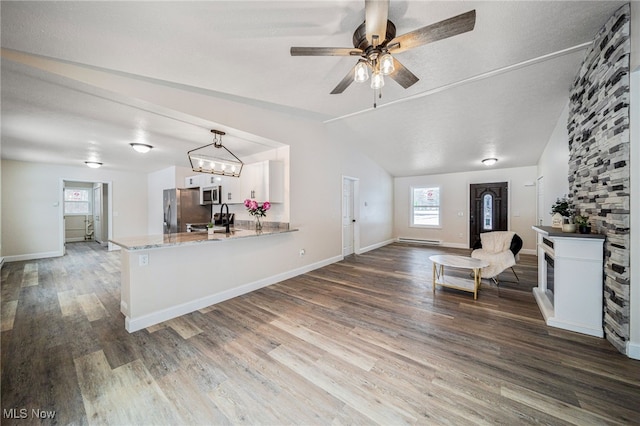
[(302, 252), (143, 260)]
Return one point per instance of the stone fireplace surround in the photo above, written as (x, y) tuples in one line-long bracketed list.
[(599, 161)]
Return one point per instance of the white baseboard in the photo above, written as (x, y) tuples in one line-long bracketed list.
[(375, 246), (135, 324), (33, 256), (455, 245), (633, 350)]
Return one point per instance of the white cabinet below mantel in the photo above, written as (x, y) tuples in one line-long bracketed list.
[(570, 280)]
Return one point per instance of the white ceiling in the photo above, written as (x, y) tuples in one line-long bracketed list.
[(495, 91)]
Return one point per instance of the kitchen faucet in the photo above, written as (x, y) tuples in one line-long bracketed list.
[(222, 217)]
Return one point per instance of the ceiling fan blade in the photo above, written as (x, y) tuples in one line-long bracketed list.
[(440, 30), (325, 51), (346, 81), (402, 75), (376, 15)]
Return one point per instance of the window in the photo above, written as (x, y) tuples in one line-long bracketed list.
[(77, 201), (425, 206), (487, 212)]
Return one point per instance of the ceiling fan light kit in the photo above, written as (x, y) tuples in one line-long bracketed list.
[(215, 158), (374, 41)]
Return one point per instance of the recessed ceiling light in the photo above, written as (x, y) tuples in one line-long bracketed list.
[(141, 147), (489, 161), (93, 164)]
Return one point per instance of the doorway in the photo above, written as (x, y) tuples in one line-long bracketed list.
[(488, 209), (350, 228), (95, 219), (100, 216)]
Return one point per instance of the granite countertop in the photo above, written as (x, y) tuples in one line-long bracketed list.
[(557, 232), (185, 238)]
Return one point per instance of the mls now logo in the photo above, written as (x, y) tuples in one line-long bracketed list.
[(23, 413)]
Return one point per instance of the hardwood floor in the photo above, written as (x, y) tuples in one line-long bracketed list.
[(362, 341)]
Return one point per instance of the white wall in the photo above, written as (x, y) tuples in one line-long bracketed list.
[(454, 199), (553, 165), (32, 208)]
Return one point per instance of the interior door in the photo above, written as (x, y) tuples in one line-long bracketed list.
[(348, 217), (97, 213), (489, 207)]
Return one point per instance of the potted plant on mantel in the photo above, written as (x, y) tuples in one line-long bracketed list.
[(562, 211), (583, 224)]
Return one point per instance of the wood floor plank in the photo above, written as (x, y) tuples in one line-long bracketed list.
[(192, 405), (369, 406), (360, 341), (30, 275), (127, 394), (569, 413), (92, 306), (324, 343), (8, 314), (69, 304), (184, 327)]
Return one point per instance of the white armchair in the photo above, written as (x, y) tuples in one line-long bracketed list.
[(500, 249)]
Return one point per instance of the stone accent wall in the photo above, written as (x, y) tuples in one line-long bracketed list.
[(599, 171)]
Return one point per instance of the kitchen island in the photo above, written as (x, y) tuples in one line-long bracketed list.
[(166, 276)]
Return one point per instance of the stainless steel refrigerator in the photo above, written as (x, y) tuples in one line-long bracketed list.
[(182, 206)]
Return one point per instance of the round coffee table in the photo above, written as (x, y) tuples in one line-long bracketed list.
[(460, 262)]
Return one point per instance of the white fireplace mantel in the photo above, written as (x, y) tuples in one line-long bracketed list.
[(578, 274)]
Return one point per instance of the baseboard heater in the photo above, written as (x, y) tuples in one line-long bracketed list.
[(420, 241)]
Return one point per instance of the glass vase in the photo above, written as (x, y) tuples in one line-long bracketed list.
[(258, 223)]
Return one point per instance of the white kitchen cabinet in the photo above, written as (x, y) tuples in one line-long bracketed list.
[(202, 181), (232, 190), (263, 181), (192, 181), (208, 180)]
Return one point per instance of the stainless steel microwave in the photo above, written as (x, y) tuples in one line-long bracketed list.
[(210, 195)]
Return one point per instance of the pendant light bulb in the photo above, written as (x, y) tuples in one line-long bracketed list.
[(377, 80), (362, 73), (386, 64)]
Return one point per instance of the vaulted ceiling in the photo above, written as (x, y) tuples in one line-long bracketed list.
[(496, 91)]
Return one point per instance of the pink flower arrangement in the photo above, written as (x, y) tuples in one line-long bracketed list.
[(255, 209)]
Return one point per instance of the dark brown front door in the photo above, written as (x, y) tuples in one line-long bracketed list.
[(489, 206)]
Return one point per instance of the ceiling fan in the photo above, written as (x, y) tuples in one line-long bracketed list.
[(376, 39)]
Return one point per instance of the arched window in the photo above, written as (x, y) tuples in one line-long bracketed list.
[(487, 212)]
